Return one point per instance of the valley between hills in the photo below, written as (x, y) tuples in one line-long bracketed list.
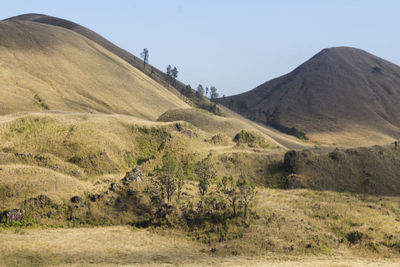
[(106, 160)]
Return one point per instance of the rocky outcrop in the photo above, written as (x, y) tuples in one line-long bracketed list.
[(135, 174), (39, 201), (14, 215)]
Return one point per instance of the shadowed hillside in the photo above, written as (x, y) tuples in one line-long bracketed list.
[(341, 95), (369, 170), (50, 68)]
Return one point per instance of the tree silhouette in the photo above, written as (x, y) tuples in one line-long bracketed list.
[(145, 56), (213, 93), (200, 90), (169, 73), (205, 171), (174, 72)]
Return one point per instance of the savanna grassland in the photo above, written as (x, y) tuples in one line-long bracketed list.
[(107, 163)]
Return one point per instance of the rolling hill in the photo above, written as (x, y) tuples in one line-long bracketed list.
[(45, 67), (74, 69), (154, 73), (88, 137), (342, 96)]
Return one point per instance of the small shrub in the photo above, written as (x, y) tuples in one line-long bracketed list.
[(250, 138), (334, 155), (354, 237)]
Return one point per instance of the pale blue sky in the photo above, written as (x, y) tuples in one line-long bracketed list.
[(233, 45)]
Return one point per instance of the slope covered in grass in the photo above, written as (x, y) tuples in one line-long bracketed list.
[(369, 170), (341, 95), (45, 67), (294, 228)]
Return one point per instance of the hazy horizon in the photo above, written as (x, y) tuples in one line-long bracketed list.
[(232, 45)]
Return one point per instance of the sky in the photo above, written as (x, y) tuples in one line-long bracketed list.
[(232, 45)]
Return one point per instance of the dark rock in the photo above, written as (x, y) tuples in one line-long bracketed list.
[(14, 215), (216, 139), (76, 199), (161, 213), (135, 174), (94, 197), (178, 127), (113, 186), (39, 201)]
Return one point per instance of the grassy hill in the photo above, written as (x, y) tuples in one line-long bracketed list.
[(78, 116), (368, 170), (342, 96), (45, 68), (176, 87)]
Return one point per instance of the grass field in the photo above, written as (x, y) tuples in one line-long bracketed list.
[(50, 68), (123, 246), (289, 221), (75, 117)]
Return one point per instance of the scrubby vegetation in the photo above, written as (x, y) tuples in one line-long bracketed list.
[(217, 211), (252, 139), (218, 199), (369, 170)]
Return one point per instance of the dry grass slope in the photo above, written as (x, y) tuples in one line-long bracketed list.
[(369, 170), (296, 228), (341, 95), (44, 67)]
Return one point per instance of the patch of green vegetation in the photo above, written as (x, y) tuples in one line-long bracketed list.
[(27, 126), (150, 142), (211, 107), (250, 138), (39, 101), (372, 170)]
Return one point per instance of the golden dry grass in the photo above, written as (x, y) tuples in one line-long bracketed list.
[(352, 136), (22, 182), (49, 68), (48, 65), (338, 93), (42, 148), (287, 218)]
